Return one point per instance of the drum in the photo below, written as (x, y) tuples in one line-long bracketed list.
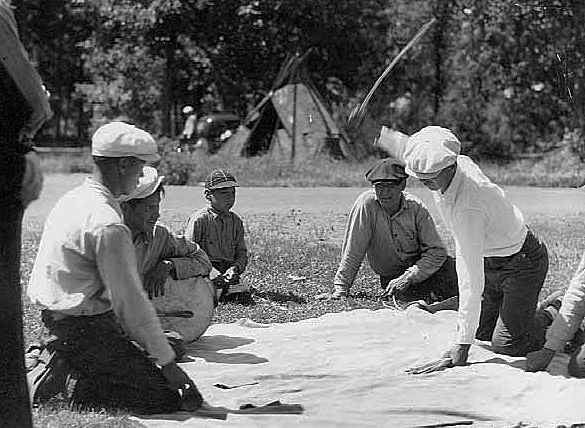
[(186, 307)]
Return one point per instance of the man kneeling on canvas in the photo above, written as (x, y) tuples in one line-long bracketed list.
[(174, 270), (398, 235), (103, 345)]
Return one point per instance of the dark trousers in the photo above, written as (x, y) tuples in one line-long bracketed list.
[(106, 369), (508, 310), (439, 286), (14, 401)]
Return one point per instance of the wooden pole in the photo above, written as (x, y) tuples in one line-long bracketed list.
[(294, 125)]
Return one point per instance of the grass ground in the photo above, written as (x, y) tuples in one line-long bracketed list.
[(294, 233)]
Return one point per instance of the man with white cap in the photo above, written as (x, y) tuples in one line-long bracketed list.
[(501, 264), (174, 270), (95, 310), (399, 237)]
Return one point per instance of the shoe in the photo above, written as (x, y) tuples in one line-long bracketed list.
[(238, 288), (554, 299), (49, 377), (576, 342), (191, 399), (238, 293)]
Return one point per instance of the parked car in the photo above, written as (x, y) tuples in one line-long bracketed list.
[(213, 130)]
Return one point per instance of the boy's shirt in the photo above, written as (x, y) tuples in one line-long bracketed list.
[(220, 235)]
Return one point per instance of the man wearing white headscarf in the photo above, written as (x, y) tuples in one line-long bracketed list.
[(501, 263), (174, 269)]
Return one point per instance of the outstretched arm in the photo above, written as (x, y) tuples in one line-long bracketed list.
[(469, 241)]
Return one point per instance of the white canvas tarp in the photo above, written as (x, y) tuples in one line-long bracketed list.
[(347, 370)]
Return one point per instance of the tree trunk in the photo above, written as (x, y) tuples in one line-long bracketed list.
[(168, 88)]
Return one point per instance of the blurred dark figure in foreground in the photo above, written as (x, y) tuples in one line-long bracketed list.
[(24, 107)]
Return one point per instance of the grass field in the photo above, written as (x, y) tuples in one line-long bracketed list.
[(298, 232)]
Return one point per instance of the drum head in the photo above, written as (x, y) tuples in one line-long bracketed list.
[(193, 294)]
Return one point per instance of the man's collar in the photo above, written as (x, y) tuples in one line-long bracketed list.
[(214, 212), (451, 191), (90, 182), (143, 237)]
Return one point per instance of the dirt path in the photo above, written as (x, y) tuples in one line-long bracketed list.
[(318, 200)]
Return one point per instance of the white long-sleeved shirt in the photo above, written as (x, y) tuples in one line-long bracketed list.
[(571, 314), (484, 223), (86, 265), (405, 243)]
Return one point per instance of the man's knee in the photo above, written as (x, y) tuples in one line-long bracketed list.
[(507, 348), (514, 346)]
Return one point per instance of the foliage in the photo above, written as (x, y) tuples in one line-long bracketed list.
[(562, 167), (175, 166), (507, 77)]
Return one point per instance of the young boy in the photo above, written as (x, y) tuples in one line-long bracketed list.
[(220, 232)]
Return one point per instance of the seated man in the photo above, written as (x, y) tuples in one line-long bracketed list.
[(174, 270), (94, 307), (220, 232), (400, 239)]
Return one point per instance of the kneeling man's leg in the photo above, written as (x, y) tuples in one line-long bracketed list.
[(520, 327), (107, 369)]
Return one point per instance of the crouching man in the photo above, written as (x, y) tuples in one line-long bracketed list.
[(95, 310), (400, 239), (174, 270)]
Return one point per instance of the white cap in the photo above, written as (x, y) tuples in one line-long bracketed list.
[(430, 150), (147, 184), (120, 139)]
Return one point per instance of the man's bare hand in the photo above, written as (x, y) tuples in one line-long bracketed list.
[(396, 287), (537, 361), (155, 278), (456, 356), (182, 383)]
